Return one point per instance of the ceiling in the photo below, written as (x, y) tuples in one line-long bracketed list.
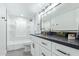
[(27, 10), (63, 8)]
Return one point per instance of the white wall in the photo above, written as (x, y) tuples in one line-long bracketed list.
[(36, 22), (21, 26), (2, 31)]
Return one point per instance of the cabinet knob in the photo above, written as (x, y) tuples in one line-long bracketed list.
[(33, 45), (56, 24), (44, 43), (43, 54)]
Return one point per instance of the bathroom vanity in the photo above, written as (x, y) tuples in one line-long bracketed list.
[(53, 46)]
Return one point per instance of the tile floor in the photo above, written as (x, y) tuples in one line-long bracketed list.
[(18, 52)]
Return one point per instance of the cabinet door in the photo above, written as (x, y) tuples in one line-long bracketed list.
[(45, 43), (53, 54), (32, 49), (65, 50), (62, 50), (44, 52), (36, 49), (66, 21), (53, 49), (3, 31)]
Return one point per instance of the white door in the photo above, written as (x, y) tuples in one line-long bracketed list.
[(2, 32), (2, 37)]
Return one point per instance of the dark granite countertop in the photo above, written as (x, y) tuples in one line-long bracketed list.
[(74, 43)]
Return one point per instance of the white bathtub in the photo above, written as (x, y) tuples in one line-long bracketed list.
[(13, 45)]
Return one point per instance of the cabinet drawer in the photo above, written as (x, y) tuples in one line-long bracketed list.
[(53, 54), (36, 49), (32, 37), (35, 39), (44, 52), (32, 49), (53, 47), (65, 50), (45, 43)]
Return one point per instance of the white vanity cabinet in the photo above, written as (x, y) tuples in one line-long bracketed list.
[(44, 52), (46, 44), (32, 49), (35, 49), (43, 47), (62, 50), (40, 47), (53, 49), (35, 46)]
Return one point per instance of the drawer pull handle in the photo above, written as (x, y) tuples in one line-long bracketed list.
[(43, 54), (44, 43), (33, 45), (63, 52)]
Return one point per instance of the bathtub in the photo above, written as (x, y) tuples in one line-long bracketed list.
[(13, 45)]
